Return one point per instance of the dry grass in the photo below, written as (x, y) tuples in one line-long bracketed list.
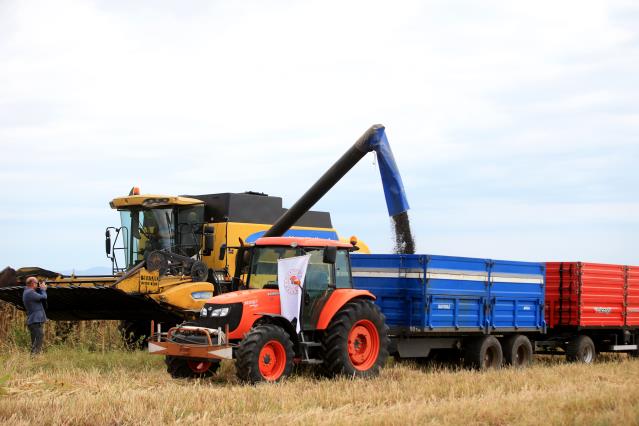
[(86, 378), (89, 335), (66, 386)]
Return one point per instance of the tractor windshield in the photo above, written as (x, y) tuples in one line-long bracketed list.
[(264, 264), (147, 230)]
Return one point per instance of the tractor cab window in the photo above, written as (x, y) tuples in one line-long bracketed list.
[(264, 265), (148, 230), (318, 274), (342, 270)]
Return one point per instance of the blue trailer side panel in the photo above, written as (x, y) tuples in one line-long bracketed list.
[(453, 294), (455, 290), (517, 295)]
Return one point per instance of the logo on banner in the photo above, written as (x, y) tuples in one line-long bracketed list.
[(293, 284)]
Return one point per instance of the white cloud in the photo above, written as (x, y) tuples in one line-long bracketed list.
[(493, 100)]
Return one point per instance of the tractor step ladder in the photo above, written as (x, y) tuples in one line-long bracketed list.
[(305, 345)]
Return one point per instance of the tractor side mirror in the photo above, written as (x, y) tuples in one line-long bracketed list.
[(107, 243), (330, 254), (222, 252), (208, 240)]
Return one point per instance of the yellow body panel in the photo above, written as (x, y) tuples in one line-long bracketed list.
[(181, 296), (229, 233)]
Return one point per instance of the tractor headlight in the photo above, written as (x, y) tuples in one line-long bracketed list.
[(220, 312), (203, 312)]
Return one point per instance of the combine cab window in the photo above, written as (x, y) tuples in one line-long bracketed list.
[(190, 222), (148, 230)]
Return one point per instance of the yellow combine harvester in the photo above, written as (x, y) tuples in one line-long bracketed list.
[(169, 255)]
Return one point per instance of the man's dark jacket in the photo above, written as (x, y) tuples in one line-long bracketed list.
[(33, 304)]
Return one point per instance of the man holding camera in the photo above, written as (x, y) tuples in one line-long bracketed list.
[(33, 297)]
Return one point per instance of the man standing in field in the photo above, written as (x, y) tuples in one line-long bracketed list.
[(36, 317)]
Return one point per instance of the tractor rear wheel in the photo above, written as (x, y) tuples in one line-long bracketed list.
[(264, 355), (193, 368), (356, 341)]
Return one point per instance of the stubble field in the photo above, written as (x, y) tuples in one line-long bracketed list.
[(87, 380)]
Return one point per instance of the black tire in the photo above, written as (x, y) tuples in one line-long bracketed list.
[(483, 353), (190, 368), (264, 355), (581, 349), (356, 318), (518, 351)]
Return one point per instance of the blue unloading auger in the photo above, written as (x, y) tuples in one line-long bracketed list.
[(374, 139)]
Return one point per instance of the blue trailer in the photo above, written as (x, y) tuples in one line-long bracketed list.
[(482, 310)]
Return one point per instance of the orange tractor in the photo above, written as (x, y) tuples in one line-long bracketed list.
[(340, 327), (332, 325)]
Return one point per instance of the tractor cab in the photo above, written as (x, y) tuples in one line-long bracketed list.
[(328, 269), (336, 326)]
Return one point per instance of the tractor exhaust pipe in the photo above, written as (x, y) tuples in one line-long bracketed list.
[(374, 139)]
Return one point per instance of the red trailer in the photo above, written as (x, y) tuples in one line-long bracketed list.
[(591, 308)]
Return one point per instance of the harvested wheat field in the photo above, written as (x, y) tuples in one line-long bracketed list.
[(66, 386)]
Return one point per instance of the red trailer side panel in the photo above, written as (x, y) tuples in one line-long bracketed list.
[(602, 295), (585, 294), (632, 296)]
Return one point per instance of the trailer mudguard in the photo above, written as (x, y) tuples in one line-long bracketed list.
[(339, 298)]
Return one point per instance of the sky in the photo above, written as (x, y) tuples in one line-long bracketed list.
[(515, 125)]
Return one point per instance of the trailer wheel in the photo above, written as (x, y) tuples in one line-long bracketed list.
[(581, 349), (518, 351), (264, 355), (356, 341), (182, 368), (483, 353)]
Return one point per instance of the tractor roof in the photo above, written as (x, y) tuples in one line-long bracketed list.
[(149, 201), (300, 242)]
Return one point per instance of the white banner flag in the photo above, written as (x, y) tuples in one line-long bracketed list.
[(290, 280)]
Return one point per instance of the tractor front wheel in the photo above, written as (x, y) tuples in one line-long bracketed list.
[(264, 355), (181, 368), (356, 341)]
